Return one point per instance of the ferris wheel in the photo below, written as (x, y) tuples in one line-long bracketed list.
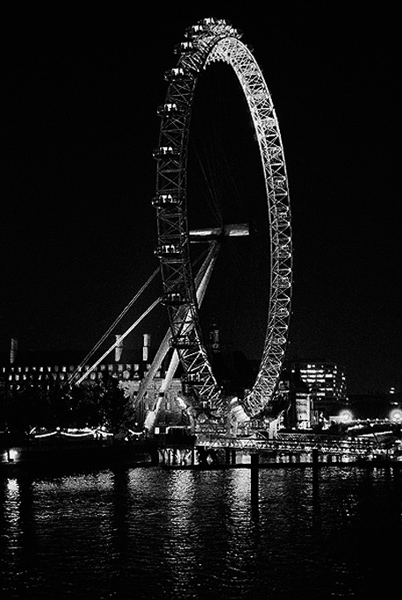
[(207, 42)]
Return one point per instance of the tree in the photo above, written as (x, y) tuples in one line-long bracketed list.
[(116, 410)]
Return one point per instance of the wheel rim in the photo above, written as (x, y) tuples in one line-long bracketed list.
[(210, 41)]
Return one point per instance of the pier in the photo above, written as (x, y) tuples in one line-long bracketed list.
[(287, 449)]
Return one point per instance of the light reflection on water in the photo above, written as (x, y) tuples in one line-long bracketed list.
[(152, 533)]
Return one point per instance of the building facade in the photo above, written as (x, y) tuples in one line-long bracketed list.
[(317, 391)]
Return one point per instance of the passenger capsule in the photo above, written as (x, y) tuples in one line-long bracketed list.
[(167, 250), (168, 109), (174, 299), (165, 152), (165, 200), (177, 74)]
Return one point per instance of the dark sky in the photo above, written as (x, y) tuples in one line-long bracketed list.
[(79, 94)]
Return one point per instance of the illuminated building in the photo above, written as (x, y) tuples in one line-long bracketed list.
[(316, 391), (326, 382), (57, 367)]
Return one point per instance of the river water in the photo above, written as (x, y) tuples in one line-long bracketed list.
[(146, 532)]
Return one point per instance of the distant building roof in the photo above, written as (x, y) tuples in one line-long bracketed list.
[(64, 357)]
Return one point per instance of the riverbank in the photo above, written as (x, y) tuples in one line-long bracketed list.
[(60, 457), (58, 461)]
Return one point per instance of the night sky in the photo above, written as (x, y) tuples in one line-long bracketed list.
[(79, 95)]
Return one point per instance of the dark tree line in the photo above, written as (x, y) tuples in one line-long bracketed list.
[(49, 404)]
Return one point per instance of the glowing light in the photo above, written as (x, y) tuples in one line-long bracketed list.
[(11, 455), (181, 402), (396, 415), (345, 416)]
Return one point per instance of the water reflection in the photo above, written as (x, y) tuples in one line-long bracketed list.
[(182, 544), (151, 533), (10, 523)]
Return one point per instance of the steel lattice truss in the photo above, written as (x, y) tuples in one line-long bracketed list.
[(208, 41)]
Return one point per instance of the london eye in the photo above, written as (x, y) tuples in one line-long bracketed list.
[(215, 44)]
